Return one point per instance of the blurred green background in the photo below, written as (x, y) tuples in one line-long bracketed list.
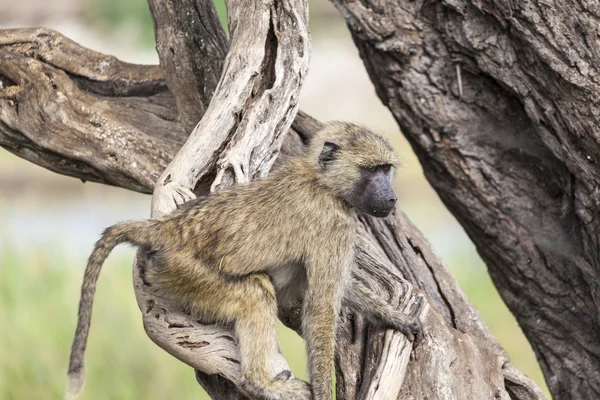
[(48, 224)]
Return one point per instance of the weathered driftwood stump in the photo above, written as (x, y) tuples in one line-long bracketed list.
[(90, 116)]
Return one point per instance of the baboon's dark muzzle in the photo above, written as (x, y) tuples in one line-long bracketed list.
[(379, 197)]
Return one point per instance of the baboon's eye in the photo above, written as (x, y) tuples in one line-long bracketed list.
[(375, 168)]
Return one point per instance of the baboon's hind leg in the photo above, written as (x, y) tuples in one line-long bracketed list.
[(256, 330)]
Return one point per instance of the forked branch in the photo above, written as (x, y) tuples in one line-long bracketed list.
[(254, 102)]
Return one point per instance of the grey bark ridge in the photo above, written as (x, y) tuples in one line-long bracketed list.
[(389, 250), (190, 30), (500, 102)]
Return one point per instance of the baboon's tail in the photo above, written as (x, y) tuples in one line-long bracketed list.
[(139, 233)]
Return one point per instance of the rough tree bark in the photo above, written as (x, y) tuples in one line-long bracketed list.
[(501, 102), (91, 116)]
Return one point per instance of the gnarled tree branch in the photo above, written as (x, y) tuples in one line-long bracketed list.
[(258, 93)]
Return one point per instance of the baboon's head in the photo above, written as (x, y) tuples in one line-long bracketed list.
[(356, 164)]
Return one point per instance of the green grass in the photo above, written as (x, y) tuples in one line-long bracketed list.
[(38, 299)]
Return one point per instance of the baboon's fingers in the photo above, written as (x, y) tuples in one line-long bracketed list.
[(414, 332)]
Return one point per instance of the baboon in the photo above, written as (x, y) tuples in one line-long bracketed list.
[(230, 256)]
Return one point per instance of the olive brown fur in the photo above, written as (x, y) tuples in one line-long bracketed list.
[(234, 256)]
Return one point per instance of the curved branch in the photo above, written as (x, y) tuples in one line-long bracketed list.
[(258, 94), (112, 76), (44, 110), (99, 99)]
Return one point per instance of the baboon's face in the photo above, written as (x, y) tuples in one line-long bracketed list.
[(374, 194), (359, 171)]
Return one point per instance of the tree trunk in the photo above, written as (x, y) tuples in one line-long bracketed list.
[(93, 117), (500, 101)]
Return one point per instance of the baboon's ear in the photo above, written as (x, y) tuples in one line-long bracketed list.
[(328, 154)]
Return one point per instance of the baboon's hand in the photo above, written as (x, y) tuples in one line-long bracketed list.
[(411, 328)]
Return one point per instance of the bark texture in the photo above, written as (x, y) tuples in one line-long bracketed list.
[(192, 30), (90, 116), (84, 114), (500, 101)]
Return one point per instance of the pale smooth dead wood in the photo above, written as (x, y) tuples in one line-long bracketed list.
[(389, 375), (254, 102)]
